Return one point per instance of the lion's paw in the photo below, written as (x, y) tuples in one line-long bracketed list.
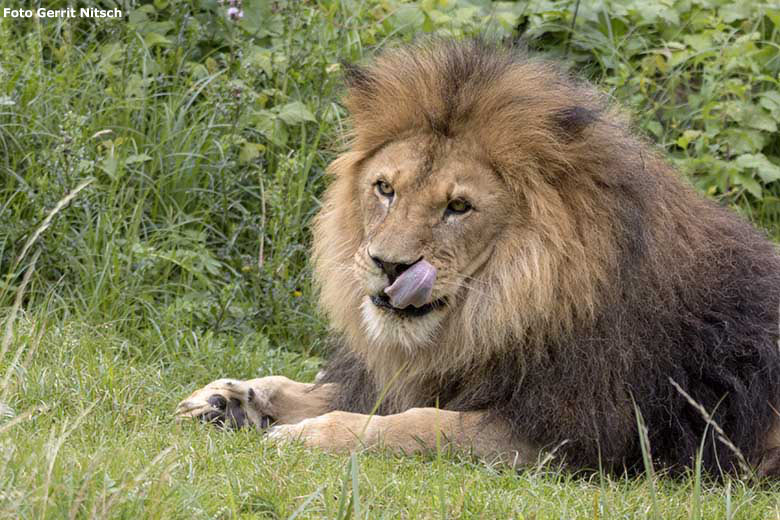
[(228, 403), (334, 432), (293, 432)]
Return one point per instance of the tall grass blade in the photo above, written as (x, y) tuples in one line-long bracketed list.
[(306, 503), (729, 505), (355, 484), (345, 502), (707, 416), (644, 445)]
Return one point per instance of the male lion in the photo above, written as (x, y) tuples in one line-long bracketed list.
[(509, 270)]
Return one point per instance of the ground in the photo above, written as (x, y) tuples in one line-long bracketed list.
[(95, 437)]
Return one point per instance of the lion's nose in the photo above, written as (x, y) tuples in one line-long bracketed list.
[(390, 268)]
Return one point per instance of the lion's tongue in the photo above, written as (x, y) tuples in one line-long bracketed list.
[(413, 287)]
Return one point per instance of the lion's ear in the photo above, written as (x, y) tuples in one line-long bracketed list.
[(571, 121), (355, 76)]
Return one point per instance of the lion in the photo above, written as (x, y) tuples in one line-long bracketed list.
[(511, 271)]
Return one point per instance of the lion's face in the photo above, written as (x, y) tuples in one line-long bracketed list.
[(424, 202)]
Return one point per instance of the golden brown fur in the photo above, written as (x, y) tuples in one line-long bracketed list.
[(586, 282), (555, 265)]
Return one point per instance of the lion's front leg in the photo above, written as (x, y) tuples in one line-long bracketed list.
[(413, 431), (258, 402)]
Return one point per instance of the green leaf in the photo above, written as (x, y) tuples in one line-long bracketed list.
[(750, 184), (294, 113), (774, 15), (765, 169), (110, 165), (655, 128), (261, 58), (250, 151), (679, 57), (428, 24), (110, 53), (732, 12), (761, 121), (138, 158), (770, 99), (699, 42), (152, 39), (257, 17), (407, 17), (140, 15), (268, 124), (653, 11), (752, 116), (689, 135), (463, 15), (744, 140)]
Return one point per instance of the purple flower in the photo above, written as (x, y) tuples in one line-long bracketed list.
[(234, 13)]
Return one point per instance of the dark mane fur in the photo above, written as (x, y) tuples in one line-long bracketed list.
[(689, 291)]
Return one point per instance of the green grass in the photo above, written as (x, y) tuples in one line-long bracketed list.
[(101, 441), (191, 153)]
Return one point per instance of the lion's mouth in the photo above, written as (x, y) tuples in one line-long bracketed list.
[(383, 301)]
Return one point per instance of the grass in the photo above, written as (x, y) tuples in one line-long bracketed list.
[(101, 442), (158, 175)]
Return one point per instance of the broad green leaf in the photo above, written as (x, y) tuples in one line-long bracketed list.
[(197, 70), (771, 101), (733, 11), (154, 39), (765, 169), (688, 136), (110, 165), (260, 57), (653, 11), (110, 53), (427, 25), (138, 158), (742, 140), (771, 98), (508, 20), (679, 57), (751, 115), (294, 113), (760, 120), (268, 124), (140, 15), (774, 15), (257, 17), (250, 151), (749, 183), (655, 128), (464, 14), (698, 42), (407, 17)]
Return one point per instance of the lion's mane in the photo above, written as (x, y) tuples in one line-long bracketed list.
[(614, 282)]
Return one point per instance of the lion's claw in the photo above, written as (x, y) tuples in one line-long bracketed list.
[(226, 403), (225, 413)]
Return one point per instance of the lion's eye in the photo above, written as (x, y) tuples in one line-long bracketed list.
[(384, 189), (458, 206)]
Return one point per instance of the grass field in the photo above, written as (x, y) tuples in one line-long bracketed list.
[(158, 174)]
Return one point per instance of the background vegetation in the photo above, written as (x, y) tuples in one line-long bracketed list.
[(158, 175)]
